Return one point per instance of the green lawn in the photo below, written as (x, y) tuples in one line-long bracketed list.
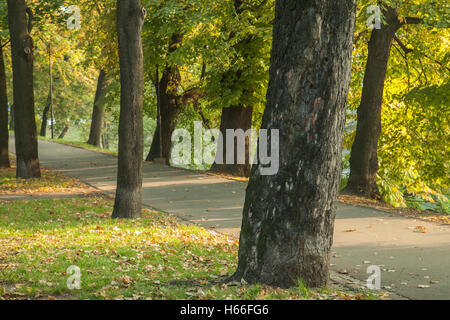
[(49, 182), (154, 257)]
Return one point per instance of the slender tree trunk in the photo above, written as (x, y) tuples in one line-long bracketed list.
[(22, 53), (288, 218), (363, 158), (45, 118), (4, 134), (63, 132), (170, 106), (130, 18), (98, 110), (11, 119), (234, 118)]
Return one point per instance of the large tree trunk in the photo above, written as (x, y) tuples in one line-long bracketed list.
[(288, 218), (4, 134), (234, 118), (363, 158), (169, 105), (130, 18), (98, 110), (45, 117), (22, 52)]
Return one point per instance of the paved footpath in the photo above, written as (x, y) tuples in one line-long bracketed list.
[(414, 265)]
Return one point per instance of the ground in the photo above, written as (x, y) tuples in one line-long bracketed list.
[(155, 257), (413, 254)]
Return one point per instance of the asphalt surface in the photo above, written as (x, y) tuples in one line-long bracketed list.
[(413, 265)]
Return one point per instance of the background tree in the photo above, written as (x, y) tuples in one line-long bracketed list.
[(288, 218), (22, 48), (130, 19), (376, 83), (4, 134)]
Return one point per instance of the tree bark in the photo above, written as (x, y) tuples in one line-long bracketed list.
[(234, 118), (22, 53), (288, 218), (130, 18), (4, 134), (363, 157), (98, 110), (63, 132), (45, 118), (169, 105), (11, 119)]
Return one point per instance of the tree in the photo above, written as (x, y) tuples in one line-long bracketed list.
[(239, 83), (364, 154), (22, 52), (4, 134), (98, 110), (130, 19), (288, 218)]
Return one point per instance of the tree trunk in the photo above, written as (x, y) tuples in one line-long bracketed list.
[(11, 119), (22, 53), (4, 134), (45, 118), (363, 158), (169, 105), (234, 118), (98, 110), (130, 18), (64, 132), (288, 218)]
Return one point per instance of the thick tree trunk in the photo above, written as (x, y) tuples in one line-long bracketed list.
[(98, 110), (45, 118), (363, 158), (22, 52), (234, 118), (130, 18), (11, 119), (63, 132), (169, 105), (288, 218), (4, 134)]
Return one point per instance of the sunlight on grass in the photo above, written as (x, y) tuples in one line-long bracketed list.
[(49, 182), (154, 257)]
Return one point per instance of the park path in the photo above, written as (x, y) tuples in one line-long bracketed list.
[(414, 265)]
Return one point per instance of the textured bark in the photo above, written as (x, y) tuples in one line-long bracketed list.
[(170, 106), (98, 110), (45, 118), (130, 18), (288, 218), (4, 134), (63, 132), (22, 52), (11, 118), (234, 118), (363, 158)]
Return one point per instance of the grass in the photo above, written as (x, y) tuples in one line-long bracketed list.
[(154, 257), (49, 182), (79, 145)]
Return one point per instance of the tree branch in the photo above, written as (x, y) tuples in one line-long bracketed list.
[(30, 19)]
